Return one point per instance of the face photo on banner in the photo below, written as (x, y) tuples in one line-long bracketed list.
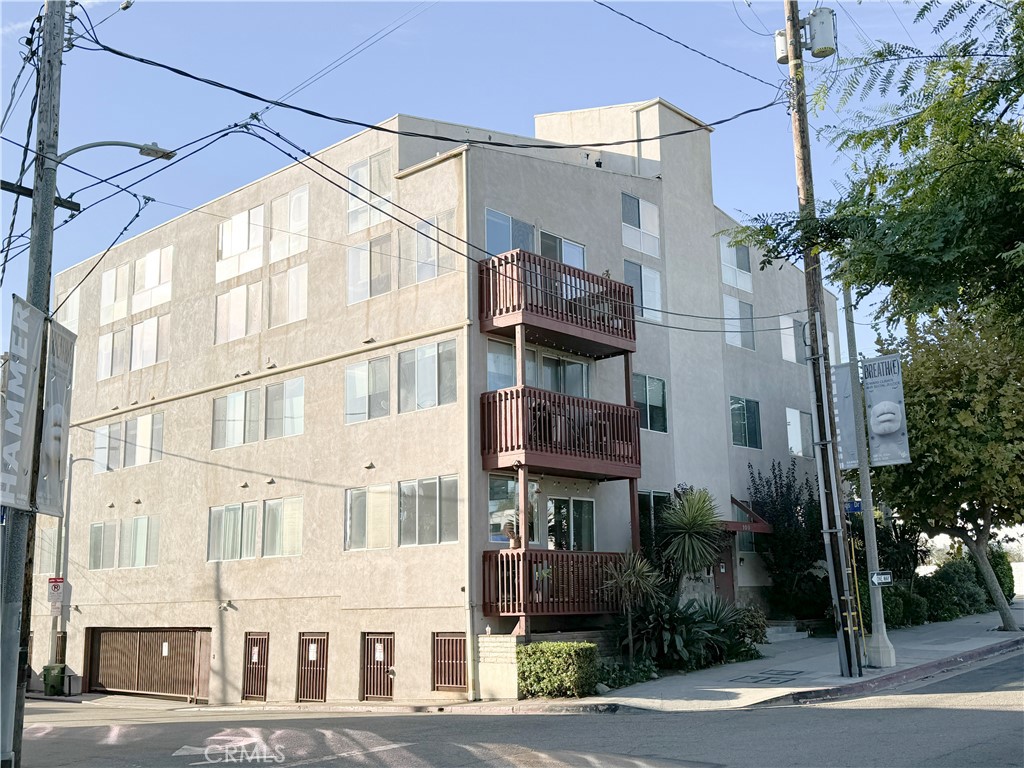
[(887, 421)]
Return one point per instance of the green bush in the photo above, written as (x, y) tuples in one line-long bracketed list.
[(952, 591), (753, 624), (672, 637), (557, 669), (915, 609), (1000, 562), (615, 675), (893, 599), (727, 639)]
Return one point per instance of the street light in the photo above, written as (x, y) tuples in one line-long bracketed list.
[(146, 150)]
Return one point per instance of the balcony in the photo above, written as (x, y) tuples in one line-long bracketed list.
[(562, 434), (561, 306), (545, 582)]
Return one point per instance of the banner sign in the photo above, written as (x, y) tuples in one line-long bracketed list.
[(21, 397), (887, 418), (846, 425), (53, 451)]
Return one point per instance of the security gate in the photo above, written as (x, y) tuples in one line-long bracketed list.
[(312, 682), (162, 662), (254, 677), (378, 665)]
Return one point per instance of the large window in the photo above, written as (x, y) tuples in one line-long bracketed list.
[(571, 524), (140, 542), (428, 252), (649, 397), (240, 244), (106, 456), (368, 517), (114, 294), (285, 408), (739, 322), (793, 347), (153, 279), (651, 508), (503, 509), (427, 377), (143, 440), (798, 427), (501, 365), (239, 312), (369, 269), (288, 296), (102, 544), (367, 390), (735, 265), (282, 527), (112, 359), (67, 309), (150, 341), (369, 200), (289, 222), (746, 422), (505, 233), (559, 249), (232, 532), (646, 283), (236, 419), (428, 511), (640, 225), (46, 558)]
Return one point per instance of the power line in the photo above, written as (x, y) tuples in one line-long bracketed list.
[(25, 164), (766, 33)]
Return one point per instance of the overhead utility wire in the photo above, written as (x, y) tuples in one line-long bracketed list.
[(25, 164), (736, 10)]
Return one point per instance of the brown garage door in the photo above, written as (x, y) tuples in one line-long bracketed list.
[(162, 662)]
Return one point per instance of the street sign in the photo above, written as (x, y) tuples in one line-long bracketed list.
[(55, 592), (852, 507), (881, 578)]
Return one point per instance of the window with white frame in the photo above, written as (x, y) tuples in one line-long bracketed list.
[(140, 542), (798, 428), (369, 201), (143, 440), (739, 322), (504, 233), (640, 225), (112, 359), (649, 398), (571, 524), (646, 283), (236, 419), (106, 455), (501, 365), (239, 312), (428, 511), (427, 376), (150, 341), (240, 244), (231, 534), (288, 296), (503, 509), (153, 279), (282, 527), (367, 390), (369, 269), (735, 265), (428, 252), (114, 294), (793, 348), (368, 517), (46, 559), (67, 310), (746, 422), (565, 251), (102, 545), (285, 408), (289, 224)]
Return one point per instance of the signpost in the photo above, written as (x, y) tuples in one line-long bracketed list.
[(881, 578)]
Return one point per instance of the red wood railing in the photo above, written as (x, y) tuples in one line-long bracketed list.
[(522, 282), (539, 582)]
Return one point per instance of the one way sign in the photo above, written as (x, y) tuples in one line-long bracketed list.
[(881, 578)]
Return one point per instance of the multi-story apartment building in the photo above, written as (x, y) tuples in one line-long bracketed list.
[(354, 429)]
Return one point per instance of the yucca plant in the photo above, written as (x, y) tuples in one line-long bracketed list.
[(692, 534), (636, 582)]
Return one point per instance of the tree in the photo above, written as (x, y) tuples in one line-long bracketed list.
[(637, 583), (692, 534), (963, 377)]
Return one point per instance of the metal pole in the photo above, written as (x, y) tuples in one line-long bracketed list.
[(878, 647), (20, 540)]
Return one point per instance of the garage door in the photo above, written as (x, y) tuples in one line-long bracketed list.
[(161, 662)]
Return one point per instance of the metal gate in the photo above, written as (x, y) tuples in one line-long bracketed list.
[(378, 665), (161, 662), (254, 676), (312, 682), (450, 661)]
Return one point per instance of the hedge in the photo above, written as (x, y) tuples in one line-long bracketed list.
[(557, 669)]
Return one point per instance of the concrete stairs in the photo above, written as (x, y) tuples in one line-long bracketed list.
[(783, 631)]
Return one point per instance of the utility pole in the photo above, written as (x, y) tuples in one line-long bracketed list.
[(20, 534), (878, 648), (834, 523)]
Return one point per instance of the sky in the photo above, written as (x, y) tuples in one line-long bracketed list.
[(486, 64)]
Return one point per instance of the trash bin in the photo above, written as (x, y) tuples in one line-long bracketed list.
[(53, 679)]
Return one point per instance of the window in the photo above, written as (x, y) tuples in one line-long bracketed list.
[(507, 234), (370, 184), (150, 341), (739, 322), (428, 511), (285, 406), (106, 456), (426, 377), (503, 509), (282, 527), (651, 507), (422, 256), (240, 244), (745, 540), (153, 279), (571, 524), (746, 422), (793, 347), (67, 314), (735, 265), (113, 354), (570, 377), (232, 532), (288, 296), (367, 390), (236, 419), (649, 397), (239, 312), (114, 294), (559, 249), (143, 440), (646, 284), (369, 269), (501, 365), (46, 560), (102, 540), (798, 427), (289, 222), (640, 225), (368, 517), (140, 542)]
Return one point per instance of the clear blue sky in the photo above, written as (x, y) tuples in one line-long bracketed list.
[(485, 64)]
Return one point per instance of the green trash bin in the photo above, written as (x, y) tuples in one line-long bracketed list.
[(53, 679)]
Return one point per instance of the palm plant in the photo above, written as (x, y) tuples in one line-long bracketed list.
[(636, 581), (692, 534)]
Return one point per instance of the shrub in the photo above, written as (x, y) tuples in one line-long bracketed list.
[(557, 669), (915, 609), (671, 636), (952, 591), (615, 675), (726, 640), (1000, 562), (753, 624), (892, 607)]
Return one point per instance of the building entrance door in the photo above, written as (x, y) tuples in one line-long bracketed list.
[(254, 677), (312, 675), (378, 665), (725, 580)]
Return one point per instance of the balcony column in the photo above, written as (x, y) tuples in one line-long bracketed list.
[(634, 501)]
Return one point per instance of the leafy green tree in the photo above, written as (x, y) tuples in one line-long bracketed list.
[(691, 534)]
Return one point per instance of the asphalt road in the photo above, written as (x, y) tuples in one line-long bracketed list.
[(971, 717)]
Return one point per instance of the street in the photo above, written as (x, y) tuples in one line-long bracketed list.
[(969, 717)]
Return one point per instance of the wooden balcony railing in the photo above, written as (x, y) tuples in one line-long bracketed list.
[(592, 313), (546, 582), (552, 431)]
